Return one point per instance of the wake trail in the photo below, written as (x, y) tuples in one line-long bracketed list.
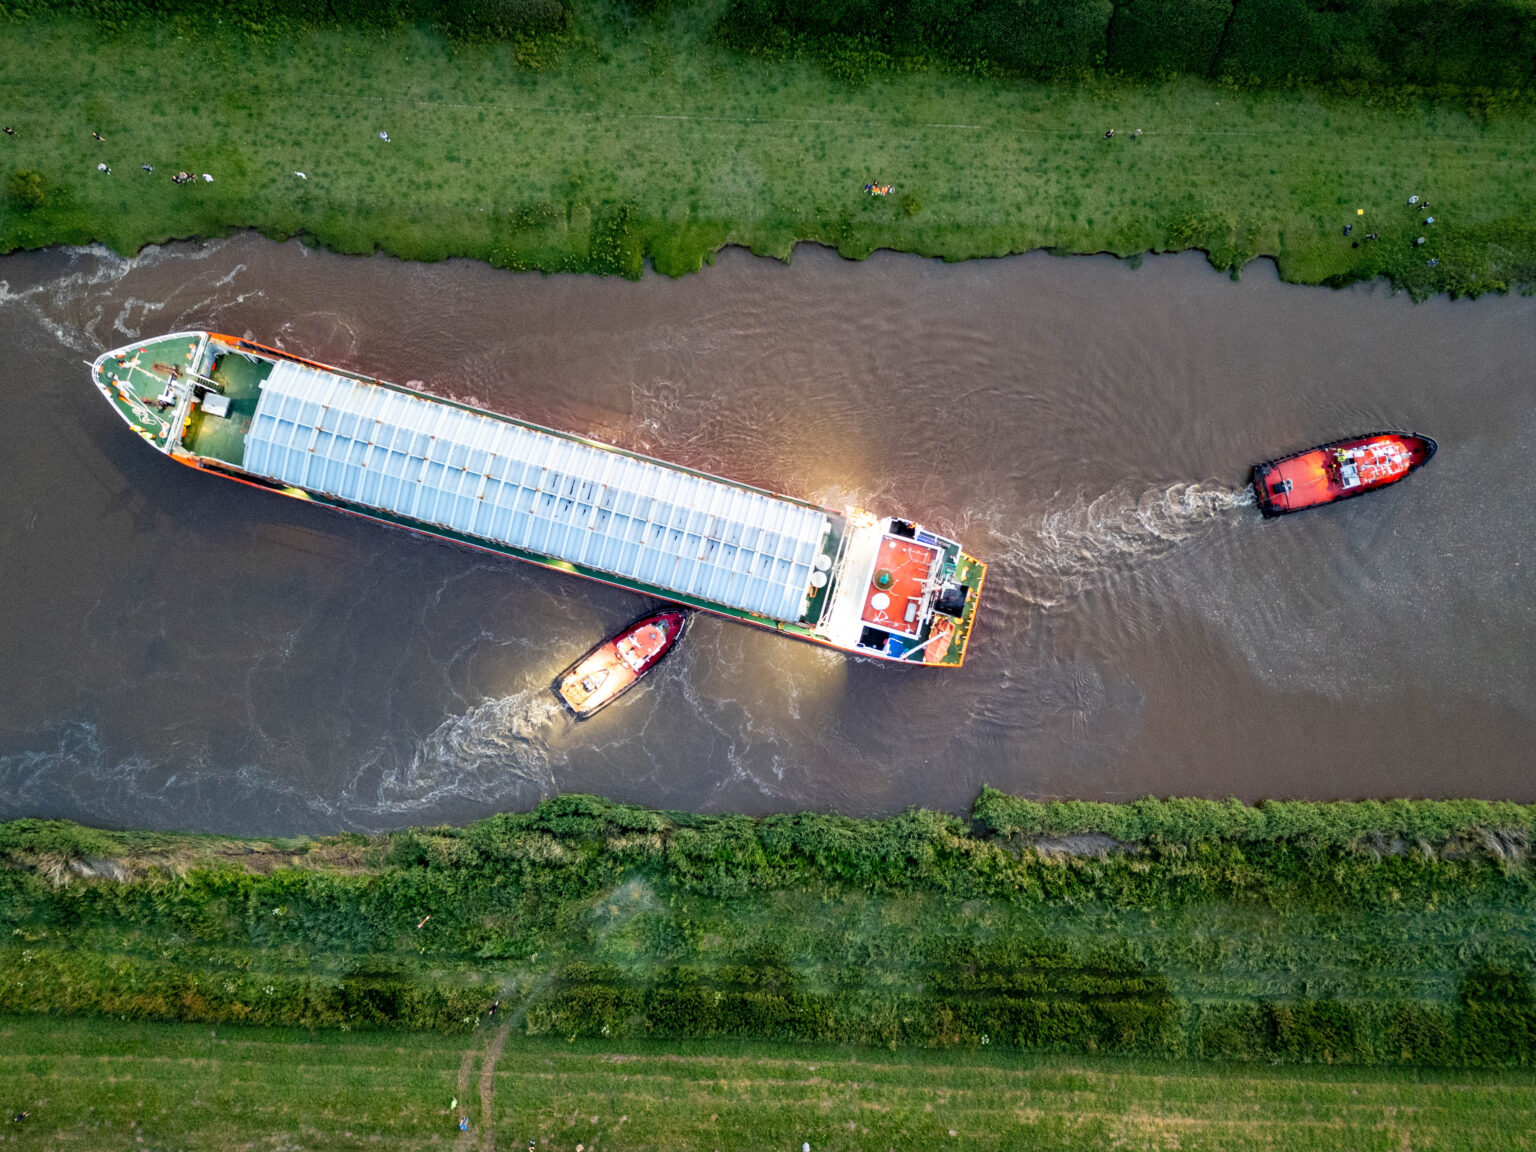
[(498, 751), (1068, 550), (84, 307)]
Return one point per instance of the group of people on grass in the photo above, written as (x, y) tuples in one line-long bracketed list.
[(1418, 206)]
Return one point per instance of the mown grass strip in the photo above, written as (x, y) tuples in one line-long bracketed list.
[(654, 143), (102, 1083)]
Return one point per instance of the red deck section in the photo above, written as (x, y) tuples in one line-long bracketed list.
[(904, 566), (1310, 481)]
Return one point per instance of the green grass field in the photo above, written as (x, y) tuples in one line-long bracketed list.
[(103, 1084), (647, 141)]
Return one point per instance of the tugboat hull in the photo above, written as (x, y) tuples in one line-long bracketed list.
[(617, 664), (1338, 471)]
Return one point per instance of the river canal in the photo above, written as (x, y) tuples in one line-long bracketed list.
[(189, 653)]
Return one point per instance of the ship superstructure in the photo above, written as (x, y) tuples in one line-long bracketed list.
[(879, 587)]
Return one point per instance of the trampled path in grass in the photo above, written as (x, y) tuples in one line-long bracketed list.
[(648, 141), (103, 1084)]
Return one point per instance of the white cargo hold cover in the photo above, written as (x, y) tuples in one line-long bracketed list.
[(432, 462)]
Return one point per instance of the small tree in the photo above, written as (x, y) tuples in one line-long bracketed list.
[(25, 190)]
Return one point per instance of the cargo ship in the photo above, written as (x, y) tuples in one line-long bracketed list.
[(1339, 470), (876, 586)]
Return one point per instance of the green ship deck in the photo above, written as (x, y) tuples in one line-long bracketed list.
[(134, 379), (223, 438)]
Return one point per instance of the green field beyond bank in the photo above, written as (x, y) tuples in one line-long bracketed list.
[(647, 140), (106, 1084)]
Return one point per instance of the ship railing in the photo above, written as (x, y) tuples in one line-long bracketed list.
[(834, 575), (127, 396)]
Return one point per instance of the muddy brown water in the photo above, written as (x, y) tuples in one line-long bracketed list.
[(184, 652)]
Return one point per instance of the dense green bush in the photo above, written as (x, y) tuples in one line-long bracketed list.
[(1046, 997), (1496, 1024), (1156, 38), (1044, 39), (1339, 825), (918, 929), (25, 190), (1464, 44), (255, 15), (1468, 44), (1491, 1024), (54, 981), (1279, 42), (22, 840), (1468, 47), (470, 21), (483, 21), (1016, 997)]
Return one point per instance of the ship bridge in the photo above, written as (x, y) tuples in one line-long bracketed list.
[(556, 497)]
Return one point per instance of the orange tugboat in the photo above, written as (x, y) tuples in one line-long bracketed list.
[(616, 665), (1338, 471)]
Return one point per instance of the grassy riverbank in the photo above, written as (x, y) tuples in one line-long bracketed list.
[(1366, 934), (647, 140), (106, 1083)]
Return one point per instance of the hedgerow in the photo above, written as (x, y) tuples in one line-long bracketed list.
[(1174, 927), (1464, 47), (467, 21), (1157, 38), (1462, 44), (1470, 49), (1186, 821), (1043, 39)]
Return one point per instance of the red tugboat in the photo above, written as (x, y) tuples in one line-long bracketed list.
[(614, 666), (1338, 471)]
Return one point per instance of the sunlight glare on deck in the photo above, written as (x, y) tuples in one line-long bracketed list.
[(552, 495)]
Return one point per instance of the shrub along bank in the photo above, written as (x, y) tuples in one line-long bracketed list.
[(1456, 47), (1465, 47), (468, 21), (1368, 933)]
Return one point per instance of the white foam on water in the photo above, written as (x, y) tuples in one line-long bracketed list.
[(496, 753), (1058, 556), (76, 771), (80, 308)]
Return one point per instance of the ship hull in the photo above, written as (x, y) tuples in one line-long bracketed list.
[(114, 375)]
